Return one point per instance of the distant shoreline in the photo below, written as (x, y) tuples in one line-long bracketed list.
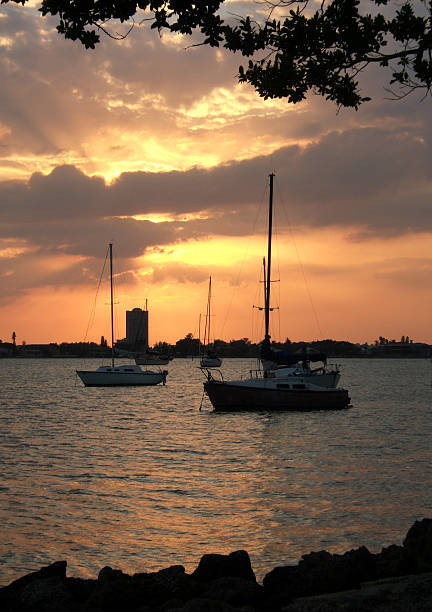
[(188, 357)]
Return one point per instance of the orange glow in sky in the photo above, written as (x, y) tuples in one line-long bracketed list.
[(152, 144), (339, 292)]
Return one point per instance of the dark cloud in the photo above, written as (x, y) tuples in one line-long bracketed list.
[(180, 273), (368, 173), (409, 272), (29, 271), (149, 63), (84, 237), (378, 180)]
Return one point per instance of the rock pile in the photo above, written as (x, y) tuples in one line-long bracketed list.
[(399, 578)]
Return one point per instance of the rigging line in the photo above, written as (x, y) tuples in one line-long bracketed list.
[(257, 320), (277, 259), (116, 315), (242, 264), (93, 309), (257, 327), (300, 263), (279, 294), (116, 299)]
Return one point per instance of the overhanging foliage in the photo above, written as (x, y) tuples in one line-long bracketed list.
[(297, 50)]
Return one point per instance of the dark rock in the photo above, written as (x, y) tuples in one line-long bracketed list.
[(57, 569), (281, 584), (392, 561), (235, 591), (181, 585), (236, 565), (418, 545), (118, 591), (107, 574), (79, 590), (362, 562), (402, 594), (53, 594), (38, 591), (45, 594), (321, 572), (171, 605), (207, 605)]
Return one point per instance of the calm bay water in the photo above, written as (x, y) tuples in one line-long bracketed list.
[(140, 479)]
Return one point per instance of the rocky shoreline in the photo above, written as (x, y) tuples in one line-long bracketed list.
[(398, 579)]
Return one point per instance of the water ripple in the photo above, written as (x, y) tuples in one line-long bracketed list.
[(141, 479)]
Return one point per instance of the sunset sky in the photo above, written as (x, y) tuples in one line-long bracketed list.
[(155, 147)]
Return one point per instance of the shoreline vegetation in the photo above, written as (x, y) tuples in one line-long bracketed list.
[(188, 347), (398, 579)]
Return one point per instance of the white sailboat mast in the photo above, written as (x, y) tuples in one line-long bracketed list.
[(207, 337), (269, 247), (112, 304)]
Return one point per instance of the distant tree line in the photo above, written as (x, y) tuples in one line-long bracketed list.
[(65, 349), (245, 348), (191, 347), (383, 341)]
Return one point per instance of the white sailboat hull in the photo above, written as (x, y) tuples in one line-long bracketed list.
[(327, 378), (121, 376)]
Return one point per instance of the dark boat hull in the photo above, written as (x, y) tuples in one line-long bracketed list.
[(228, 396)]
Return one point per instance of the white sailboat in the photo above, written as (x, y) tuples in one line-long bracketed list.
[(209, 358), (289, 366), (285, 382), (119, 375)]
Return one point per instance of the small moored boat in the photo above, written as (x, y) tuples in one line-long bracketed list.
[(260, 393), (209, 359), (119, 375)]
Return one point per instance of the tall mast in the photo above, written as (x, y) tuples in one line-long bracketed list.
[(199, 336), (267, 287), (209, 313), (112, 305)]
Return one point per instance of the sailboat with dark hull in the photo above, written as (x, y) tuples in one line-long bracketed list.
[(286, 381)]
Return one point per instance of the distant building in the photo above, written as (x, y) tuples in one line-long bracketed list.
[(137, 328)]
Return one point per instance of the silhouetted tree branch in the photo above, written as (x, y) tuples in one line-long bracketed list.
[(295, 51)]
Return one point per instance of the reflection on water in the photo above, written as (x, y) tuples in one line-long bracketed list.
[(139, 478)]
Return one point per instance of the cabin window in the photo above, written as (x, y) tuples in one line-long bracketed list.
[(284, 386), (298, 386)]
